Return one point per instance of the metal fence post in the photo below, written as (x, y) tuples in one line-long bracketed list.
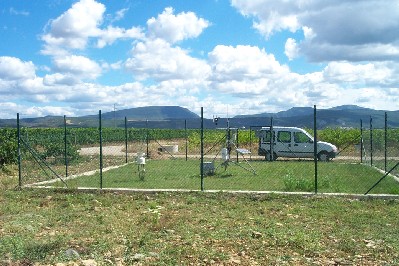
[(125, 139), (271, 140), (101, 150), (237, 143), (371, 140), (385, 142), (65, 147), (315, 148), (19, 152), (147, 137), (361, 141), (250, 143), (186, 135), (202, 149)]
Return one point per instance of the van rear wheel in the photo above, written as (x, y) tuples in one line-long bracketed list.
[(323, 156), (268, 156)]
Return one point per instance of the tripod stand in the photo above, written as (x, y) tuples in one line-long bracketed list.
[(226, 153)]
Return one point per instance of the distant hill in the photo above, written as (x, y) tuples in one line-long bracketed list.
[(340, 116), (139, 115), (151, 113), (179, 117)]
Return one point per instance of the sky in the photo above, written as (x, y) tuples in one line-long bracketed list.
[(73, 58)]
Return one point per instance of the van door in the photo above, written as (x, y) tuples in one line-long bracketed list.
[(283, 144), (302, 145)]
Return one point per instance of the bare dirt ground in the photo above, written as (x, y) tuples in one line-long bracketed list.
[(115, 150), (119, 150)]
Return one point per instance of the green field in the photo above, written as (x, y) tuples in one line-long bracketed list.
[(42, 227), (67, 227), (333, 177)]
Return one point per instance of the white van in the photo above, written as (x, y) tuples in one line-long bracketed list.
[(292, 142)]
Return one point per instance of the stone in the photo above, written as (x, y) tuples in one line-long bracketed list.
[(138, 257), (72, 254), (256, 234)]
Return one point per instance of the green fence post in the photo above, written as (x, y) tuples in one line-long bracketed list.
[(237, 143), (271, 140), (147, 137), (186, 134), (371, 140), (101, 149), (385, 142), (361, 141), (315, 147), (65, 147), (250, 143), (19, 152), (125, 139), (202, 149)]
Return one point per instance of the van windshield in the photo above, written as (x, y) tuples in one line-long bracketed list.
[(300, 137)]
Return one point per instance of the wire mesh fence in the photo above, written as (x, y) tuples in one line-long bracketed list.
[(182, 154)]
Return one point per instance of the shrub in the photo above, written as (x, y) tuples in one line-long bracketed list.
[(8, 146)]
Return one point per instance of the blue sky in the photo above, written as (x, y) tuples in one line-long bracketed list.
[(64, 57)]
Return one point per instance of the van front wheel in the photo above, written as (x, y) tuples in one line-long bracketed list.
[(268, 156), (323, 156)]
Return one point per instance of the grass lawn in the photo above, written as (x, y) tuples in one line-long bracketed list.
[(336, 177), (43, 227)]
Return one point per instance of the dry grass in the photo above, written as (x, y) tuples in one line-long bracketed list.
[(38, 227)]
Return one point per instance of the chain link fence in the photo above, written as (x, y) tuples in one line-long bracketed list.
[(200, 154)]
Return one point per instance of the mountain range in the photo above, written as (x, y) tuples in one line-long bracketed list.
[(179, 117)]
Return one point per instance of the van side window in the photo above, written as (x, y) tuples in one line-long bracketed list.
[(266, 136), (300, 137), (284, 136)]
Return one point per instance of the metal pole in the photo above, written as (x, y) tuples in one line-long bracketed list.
[(315, 148), (19, 153), (186, 133), (371, 140), (396, 165), (250, 143), (202, 149), (147, 136), (385, 140), (271, 140), (228, 138), (361, 141), (237, 144), (125, 139), (101, 150), (65, 147)]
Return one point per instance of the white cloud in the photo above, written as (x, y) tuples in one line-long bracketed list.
[(248, 74), (78, 66), (111, 34), (174, 28), (291, 49), (72, 29), (12, 68), (120, 14), (333, 30), (83, 21), (230, 79), (271, 16), (345, 72), (157, 59), (59, 79), (243, 63), (16, 12)]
